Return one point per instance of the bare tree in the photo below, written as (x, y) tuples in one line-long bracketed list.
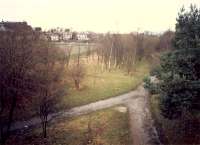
[(93, 133), (17, 61), (165, 41), (77, 71), (29, 70), (68, 51), (51, 84), (125, 50)]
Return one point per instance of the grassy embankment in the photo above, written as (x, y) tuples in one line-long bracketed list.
[(98, 84), (109, 126), (74, 46)]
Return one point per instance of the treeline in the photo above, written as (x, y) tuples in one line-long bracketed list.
[(30, 75), (125, 50)]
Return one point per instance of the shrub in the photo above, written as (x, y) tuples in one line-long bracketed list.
[(152, 87)]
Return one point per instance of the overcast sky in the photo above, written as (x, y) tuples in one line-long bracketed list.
[(96, 15)]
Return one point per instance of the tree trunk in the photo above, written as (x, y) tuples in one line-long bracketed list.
[(5, 130), (77, 84), (110, 56), (44, 127)]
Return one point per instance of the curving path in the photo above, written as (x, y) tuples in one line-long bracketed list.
[(141, 123)]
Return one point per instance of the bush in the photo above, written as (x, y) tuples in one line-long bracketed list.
[(156, 71), (152, 87)]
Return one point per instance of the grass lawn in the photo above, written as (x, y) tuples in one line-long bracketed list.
[(75, 46), (99, 84), (107, 127)]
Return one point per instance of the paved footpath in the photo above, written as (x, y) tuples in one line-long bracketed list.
[(142, 129)]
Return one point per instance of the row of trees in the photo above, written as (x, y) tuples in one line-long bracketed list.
[(125, 50), (31, 73)]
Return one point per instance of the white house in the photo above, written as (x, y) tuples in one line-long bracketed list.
[(67, 36), (54, 37), (82, 36)]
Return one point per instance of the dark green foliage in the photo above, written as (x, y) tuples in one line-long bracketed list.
[(156, 72), (152, 87), (188, 29), (180, 69)]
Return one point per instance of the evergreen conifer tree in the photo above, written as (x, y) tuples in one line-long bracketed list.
[(179, 85)]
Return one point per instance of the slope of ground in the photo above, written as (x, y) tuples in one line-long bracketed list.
[(142, 127), (99, 85), (105, 127)]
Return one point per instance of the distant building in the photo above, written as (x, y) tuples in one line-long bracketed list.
[(59, 34), (54, 37), (82, 36), (67, 36), (44, 36)]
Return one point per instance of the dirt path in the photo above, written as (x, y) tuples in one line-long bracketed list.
[(85, 109), (141, 124)]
